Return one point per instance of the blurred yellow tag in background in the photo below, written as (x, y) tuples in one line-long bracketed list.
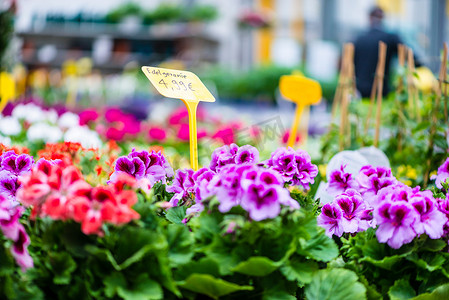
[(303, 91), (7, 89), (425, 80), (300, 89), (178, 84)]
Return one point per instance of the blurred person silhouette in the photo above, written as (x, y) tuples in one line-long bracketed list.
[(366, 48)]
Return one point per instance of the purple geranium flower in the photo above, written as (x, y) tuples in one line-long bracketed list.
[(331, 219), (247, 154), (340, 181), (233, 154), (147, 168), (9, 184), (442, 174), (262, 202), (9, 224), (395, 220), (257, 190), (19, 249), (13, 230), (392, 193), (354, 211), (226, 186), (202, 177), (132, 166), (347, 213), (16, 164), (223, 156), (372, 179), (431, 220), (294, 166), (182, 186)]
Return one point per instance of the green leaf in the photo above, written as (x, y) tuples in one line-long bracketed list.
[(433, 245), (301, 271), (429, 261), (387, 263), (205, 265), (7, 263), (319, 247), (103, 254), (113, 282), (176, 214), (277, 295), (134, 243), (62, 266), (211, 286), (256, 266), (440, 141), (401, 290), (421, 126), (143, 288), (440, 293), (335, 284), (180, 242)]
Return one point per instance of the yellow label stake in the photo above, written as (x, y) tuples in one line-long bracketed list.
[(7, 89), (186, 86), (303, 91)]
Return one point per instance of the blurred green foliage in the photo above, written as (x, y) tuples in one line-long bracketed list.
[(260, 83)]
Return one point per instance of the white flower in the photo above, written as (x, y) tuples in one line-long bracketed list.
[(83, 135), (5, 140), (44, 132), (28, 112), (68, 120), (32, 113), (10, 126), (51, 116)]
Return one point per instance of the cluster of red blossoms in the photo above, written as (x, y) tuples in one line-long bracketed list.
[(60, 192)]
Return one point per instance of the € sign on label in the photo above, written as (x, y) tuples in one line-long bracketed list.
[(178, 84), (299, 89)]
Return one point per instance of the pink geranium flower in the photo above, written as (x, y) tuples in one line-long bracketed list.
[(395, 220), (340, 181), (331, 219), (442, 174), (157, 133)]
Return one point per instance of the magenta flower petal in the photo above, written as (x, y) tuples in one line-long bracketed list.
[(19, 250), (340, 181), (10, 226), (261, 202), (395, 221), (9, 184), (247, 154), (330, 219), (294, 166)]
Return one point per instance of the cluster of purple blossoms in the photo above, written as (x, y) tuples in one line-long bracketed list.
[(373, 179), (399, 212), (295, 167), (402, 213), (14, 231), (235, 179), (257, 190), (183, 186), (443, 206), (442, 174), (340, 181), (147, 167), (347, 213), (233, 155), (13, 165)]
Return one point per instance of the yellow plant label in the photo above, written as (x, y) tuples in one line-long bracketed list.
[(299, 89), (7, 87), (178, 84)]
